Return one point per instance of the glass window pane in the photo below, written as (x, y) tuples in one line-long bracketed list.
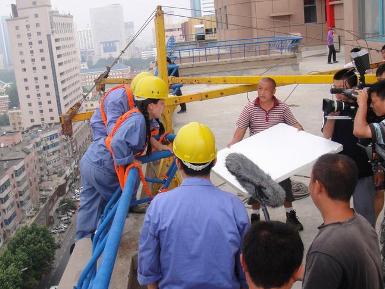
[(371, 18)]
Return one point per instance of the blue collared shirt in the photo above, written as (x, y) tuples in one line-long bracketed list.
[(191, 238), (128, 140), (115, 105)]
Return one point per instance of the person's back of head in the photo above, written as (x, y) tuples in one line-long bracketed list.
[(348, 75), (338, 174), (194, 147), (272, 255)]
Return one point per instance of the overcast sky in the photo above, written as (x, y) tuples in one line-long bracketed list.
[(134, 10)]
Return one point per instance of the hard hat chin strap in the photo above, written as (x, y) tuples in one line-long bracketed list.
[(196, 167)]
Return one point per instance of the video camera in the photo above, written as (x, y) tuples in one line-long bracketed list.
[(361, 62)]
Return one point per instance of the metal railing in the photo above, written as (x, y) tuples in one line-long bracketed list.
[(236, 49), (107, 237)]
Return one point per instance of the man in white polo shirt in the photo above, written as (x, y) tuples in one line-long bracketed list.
[(264, 112)]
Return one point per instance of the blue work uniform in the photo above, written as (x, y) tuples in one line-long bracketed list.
[(115, 105), (97, 171), (191, 238)]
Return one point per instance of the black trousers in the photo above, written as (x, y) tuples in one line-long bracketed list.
[(332, 51)]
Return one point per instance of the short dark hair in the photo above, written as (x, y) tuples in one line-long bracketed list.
[(272, 251), (269, 79), (338, 174), (190, 172), (383, 48), (348, 75), (378, 88), (380, 70)]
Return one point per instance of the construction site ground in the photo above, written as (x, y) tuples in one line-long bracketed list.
[(221, 115)]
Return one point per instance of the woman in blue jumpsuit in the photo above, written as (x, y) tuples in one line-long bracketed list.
[(97, 170)]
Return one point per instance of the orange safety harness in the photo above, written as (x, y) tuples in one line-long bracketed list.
[(122, 171)]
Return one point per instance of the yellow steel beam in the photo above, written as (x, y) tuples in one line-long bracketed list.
[(116, 80), (81, 116), (280, 79), (199, 96), (161, 45)]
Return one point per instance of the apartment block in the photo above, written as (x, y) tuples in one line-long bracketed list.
[(46, 61), (15, 119), (4, 103), (88, 76)]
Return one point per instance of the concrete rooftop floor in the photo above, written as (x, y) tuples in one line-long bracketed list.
[(305, 101)]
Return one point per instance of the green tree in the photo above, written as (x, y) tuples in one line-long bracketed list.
[(10, 277), (13, 96), (65, 205), (4, 120), (32, 252)]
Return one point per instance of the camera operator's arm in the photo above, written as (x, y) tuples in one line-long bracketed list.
[(328, 127), (361, 126)]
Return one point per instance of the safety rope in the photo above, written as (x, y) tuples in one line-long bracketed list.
[(142, 177)]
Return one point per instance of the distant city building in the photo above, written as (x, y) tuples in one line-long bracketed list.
[(146, 54), (15, 119), (4, 103), (45, 59), (195, 8), (118, 71), (85, 39), (108, 30), (207, 7), (176, 31), (129, 31), (5, 47)]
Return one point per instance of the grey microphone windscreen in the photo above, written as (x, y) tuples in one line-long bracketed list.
[(255, 181)]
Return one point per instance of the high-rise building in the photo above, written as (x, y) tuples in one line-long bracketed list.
[(45, 59), (195, 8), (107, 24), (207, 7), (85, 40), (5, 49)]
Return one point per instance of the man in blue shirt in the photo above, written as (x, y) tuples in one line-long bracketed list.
[(191, 236)]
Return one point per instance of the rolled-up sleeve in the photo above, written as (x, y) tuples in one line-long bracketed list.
[(130, 137), (244, 118), (149, 270), (378, 132)]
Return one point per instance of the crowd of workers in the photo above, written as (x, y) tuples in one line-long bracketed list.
[(198, 236)]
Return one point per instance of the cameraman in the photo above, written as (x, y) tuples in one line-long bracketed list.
[(341, 131)]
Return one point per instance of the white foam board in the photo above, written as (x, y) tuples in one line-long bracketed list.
[(280, 151)]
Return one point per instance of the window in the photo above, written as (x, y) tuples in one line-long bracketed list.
[(26, 88), (49, 102), (34, 68), (40, 42), (34, 3), (36, 15), (25, 80), (40, 103), (40, 111), (372, 18), (19, 44), (50, 110), (36, 86), (33, 59), (44, 67), (22, 61), (52, 118), (36, 78), (29, 34), (310, 11), (46, 85), (48, 94), (30, 112), (45, 76), (24, 69), (27, 26), (30, 43), (32, 120), (29, 104), (18, 36), (41, 50), (31, 51), (38, 33), (37, 24), (17, 27), (42, 119), (28, 96), (38, 94)]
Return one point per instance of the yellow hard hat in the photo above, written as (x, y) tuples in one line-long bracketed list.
[(195, 144), (138, 77), (151, 87)]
